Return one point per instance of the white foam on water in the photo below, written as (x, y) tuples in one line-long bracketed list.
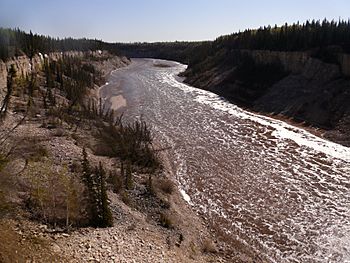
[(306, 144), (281, 131)]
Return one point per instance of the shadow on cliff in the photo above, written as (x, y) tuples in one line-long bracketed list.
[(293, 84)]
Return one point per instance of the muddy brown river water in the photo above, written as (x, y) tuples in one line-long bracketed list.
[(278, 189)]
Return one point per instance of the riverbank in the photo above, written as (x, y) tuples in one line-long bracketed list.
[(290, 85), (136, 235)]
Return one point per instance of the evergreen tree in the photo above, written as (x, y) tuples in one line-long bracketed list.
[(106, 219), (128, 176), (10, 83), (88, 180), (95, 181)]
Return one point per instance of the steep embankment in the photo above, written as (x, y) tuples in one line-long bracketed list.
[(101, 60), (292, 84)]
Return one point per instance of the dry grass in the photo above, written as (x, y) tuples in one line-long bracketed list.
[(208, 246), (115, 181), (55, 195), (15, 247)]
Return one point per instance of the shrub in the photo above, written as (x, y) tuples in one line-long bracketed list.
[(102, 149), (115, 181), (55, 195), (125, 198), (30, 149), (37, 153), (166, 185), (75, 167), (166, 220), (129, 183), (96, 192), (59, 132), (4, 186), (131, 142), (3, 161)]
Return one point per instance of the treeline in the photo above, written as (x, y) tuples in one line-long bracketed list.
[(310, 35), (178, 51), (14, 42), (323, 40), (295, 37), (321, 37)]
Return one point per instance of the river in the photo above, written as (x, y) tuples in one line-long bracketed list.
[(276, 188)]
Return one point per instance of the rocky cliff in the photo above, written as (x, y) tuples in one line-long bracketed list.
[(101, 59), (294, 62), (293, 84)]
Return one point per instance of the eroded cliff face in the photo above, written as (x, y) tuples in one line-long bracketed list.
[(291, 61), (24, 66), (310, 91), (294, 62)]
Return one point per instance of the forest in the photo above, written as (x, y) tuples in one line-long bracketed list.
[(322, 38), (295, 37), (15, 42)]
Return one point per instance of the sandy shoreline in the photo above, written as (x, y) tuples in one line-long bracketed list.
[(117, 102), (112, 101)]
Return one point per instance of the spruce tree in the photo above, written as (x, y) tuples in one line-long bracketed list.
[(10, 83), (95, 182), (88, 180), (128, 176), (105, 212)]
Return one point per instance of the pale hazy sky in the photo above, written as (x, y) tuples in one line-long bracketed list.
[(160, 20)]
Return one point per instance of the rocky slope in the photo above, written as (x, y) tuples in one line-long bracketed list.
[(293, 84), (136, 235)]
